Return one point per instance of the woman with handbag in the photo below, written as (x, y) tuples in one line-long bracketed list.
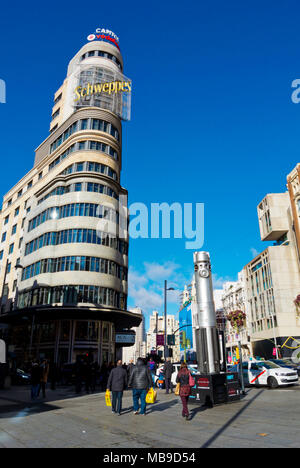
[(186, 381)]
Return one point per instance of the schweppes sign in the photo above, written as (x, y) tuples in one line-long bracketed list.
[(112, 87)]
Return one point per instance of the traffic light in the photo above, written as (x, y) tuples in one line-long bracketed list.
[(171, 340)]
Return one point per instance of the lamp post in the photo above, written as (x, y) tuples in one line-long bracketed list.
[(166, 350)]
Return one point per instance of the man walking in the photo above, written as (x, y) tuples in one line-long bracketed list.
[(140, 380), (44, 371), (168, 371), (117, 382), (130, 368), (35, 379)]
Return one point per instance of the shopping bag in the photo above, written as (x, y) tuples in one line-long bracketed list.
[(107, 398), (151, 396), (177, 389), (191, 381)]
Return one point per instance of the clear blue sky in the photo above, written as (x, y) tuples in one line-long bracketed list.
[(212, 116)]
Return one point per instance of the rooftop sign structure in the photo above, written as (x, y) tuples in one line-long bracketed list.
[(102, 34)]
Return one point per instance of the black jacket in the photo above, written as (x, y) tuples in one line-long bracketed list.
[(168, 369), (130, 368), (35, 374), (117, 381), (140, 377)]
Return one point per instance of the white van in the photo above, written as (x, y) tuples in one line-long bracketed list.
[(176, 365), (268, 373)]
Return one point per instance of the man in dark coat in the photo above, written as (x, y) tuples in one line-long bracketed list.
[(130, 368), (35, 379), (117, 382), (168, 371), (140, 380)]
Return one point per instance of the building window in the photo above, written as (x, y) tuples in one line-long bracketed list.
[(40, 175), (74, 209), (8, 268), (3, 237), (9, 202), (75, 263), (67, 236), (1, 254), (14, 285), (20, 193), (14, 229), (56, 114), (58, 98), (17, 211), (6, 219), (11, 248), (20, 242), (85, 124), (29, 185)]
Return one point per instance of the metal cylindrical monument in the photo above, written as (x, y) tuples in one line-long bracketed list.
[(207, 339)]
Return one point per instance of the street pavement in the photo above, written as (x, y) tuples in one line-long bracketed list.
[(263, 418)]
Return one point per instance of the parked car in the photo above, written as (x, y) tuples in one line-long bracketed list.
[(192, 367), (286, 362), (20, 377), (267, 373)]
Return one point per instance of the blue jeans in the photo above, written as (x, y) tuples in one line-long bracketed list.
[(117, 401), (34, 391), (136, 395)]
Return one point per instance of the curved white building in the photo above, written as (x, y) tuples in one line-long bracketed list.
[(70, 238)]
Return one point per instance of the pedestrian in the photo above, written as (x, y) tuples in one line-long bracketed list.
[(103, 376), (44, 369), (183, 378), (78, 374), (152, 368), (130, 368), (94, 371), (53, 374), (35, 379), (87, 375), (168, 370), (117, 382), (140, 380)]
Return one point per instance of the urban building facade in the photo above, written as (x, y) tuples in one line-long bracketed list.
[(64, 238), (139, 349), (157, 327), (234, 300), (272, 278)]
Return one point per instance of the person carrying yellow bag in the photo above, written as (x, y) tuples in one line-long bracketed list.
[(117, 382), (140, 381)]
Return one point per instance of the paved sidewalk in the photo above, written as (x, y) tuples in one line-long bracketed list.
[(264, 418)]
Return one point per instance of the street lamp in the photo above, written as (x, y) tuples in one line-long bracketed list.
[(166, 349)]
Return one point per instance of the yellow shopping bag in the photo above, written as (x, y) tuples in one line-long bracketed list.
[(177, 389), (151, 396), (107, 398)]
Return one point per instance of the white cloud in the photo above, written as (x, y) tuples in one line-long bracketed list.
[(254, 252), (158, 271)]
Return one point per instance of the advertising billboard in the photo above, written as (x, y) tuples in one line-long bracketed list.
[(102, 34), (187, 345), (99, 86)]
